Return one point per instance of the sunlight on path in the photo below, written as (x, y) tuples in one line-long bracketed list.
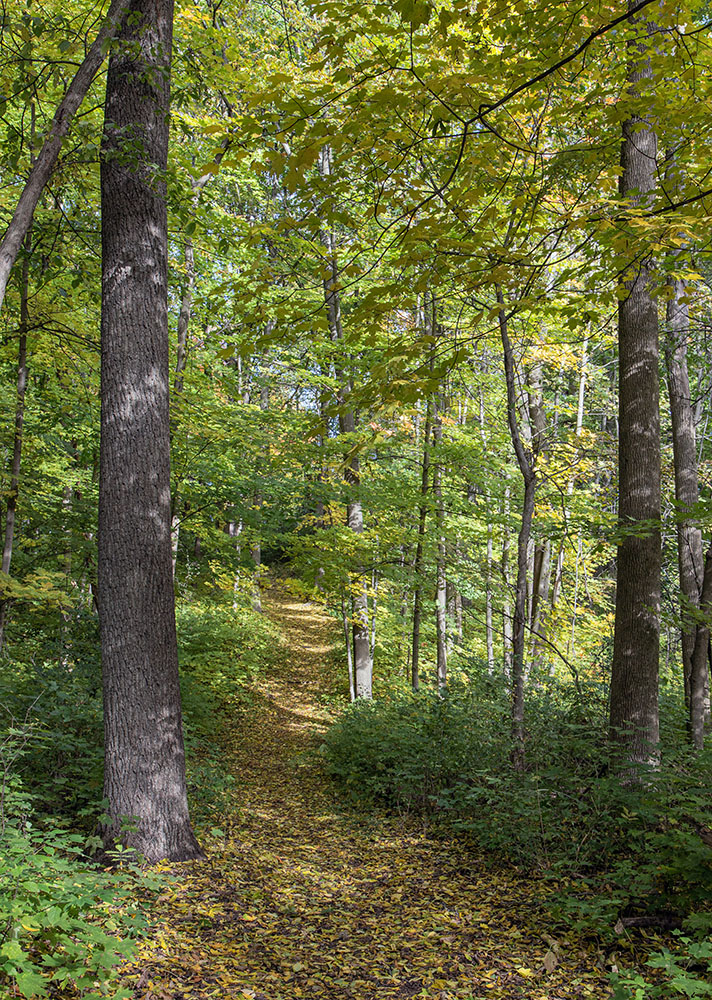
[(304, 899)]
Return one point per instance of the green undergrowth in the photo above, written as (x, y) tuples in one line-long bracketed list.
[(222, 649), (613, 851), (66, 923)]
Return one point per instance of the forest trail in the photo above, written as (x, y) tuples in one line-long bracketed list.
[(303, 898)]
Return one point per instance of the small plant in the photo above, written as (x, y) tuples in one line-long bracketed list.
[(63, 922), (684, 971)]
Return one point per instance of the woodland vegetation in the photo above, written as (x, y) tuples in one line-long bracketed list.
[(410, 302)]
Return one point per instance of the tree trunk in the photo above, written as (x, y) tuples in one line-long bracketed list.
[(144, 780), (526, 467), (256, 551), (699, 675), (440, 565), (363, 666), (11, 508), (489, 630), (540, 605), (689, 536), (506, 605), (349, 651), (636, 644), (418, 564)]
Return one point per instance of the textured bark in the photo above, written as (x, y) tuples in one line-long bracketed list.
[(44, 164), (636, 645), (144, 779)]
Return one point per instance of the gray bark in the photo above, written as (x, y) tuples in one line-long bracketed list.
[(363, 665), (144, 779), (636, 645)]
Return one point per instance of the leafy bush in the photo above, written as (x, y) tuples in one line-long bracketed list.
[(222, 647), (684, 971), (63, 764), (62, 922), (630, 848)]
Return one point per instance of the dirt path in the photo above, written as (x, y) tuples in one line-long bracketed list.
[(303, 899)]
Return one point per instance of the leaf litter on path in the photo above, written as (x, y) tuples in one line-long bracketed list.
[(302, 898)]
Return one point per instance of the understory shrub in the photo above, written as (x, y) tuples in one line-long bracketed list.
[(222, 647), (642, 848), (63, 921)]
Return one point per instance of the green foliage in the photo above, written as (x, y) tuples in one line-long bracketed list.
[(63, 763), (686, 971), (222, 647), (630, 847), (63, 922)]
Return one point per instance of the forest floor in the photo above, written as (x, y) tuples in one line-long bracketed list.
[(303, 897)]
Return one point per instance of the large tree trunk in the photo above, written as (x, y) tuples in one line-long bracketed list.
[(44, 164), (636, 645), (144, 779)]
